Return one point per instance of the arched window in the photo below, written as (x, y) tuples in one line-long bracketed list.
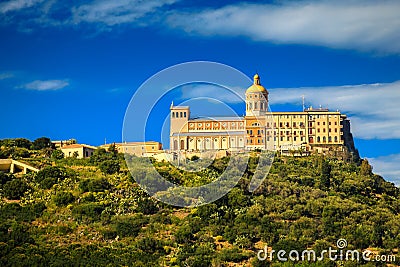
[(324, 139), (335, 138), (251, 105), (255, 105), (318, 139), (182, 144), (175, 145)]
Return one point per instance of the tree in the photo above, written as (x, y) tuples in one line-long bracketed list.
[(49, 176), (366, 168), (325, 170), (100, 155), (18, 152), (57, 154), (22, 143), (15, 189), (110, 166), (41, 143), (113, 149)]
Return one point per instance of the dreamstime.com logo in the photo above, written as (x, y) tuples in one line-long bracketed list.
[(191, 82), (338, 254)]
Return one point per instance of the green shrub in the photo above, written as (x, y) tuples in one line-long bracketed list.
[(5, 177), (233, 254), (129, 226), (15, 189), (52, 175), (63, 198), (14, 211), (47, 183), (109, 234), (94, 185), (57, 154), (147, 206), (89, 211), (110, 166), (149, 245)]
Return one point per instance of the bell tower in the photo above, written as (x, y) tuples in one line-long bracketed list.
[(179, 124), (256, 98)]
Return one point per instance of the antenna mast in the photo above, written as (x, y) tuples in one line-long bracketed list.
[(304, 107)]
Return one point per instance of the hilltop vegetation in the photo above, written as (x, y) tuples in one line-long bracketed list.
[(91, 212)]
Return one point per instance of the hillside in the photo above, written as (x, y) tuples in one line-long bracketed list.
[(90, 212)]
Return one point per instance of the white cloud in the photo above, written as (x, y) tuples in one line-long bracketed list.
[(388, 167), (47, 85), (372, 108), (16, 5), (117, 11), (6, 75), (361, 25)]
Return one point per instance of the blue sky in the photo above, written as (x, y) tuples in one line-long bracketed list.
[(68, 69)]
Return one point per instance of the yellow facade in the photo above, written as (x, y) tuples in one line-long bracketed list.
[(78, 150), (139, 149), (311, 129)]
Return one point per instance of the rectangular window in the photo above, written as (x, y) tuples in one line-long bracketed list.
[(295, 138), (294, 124), (173, 114), (181, 114), (184, 114), (281, 124)]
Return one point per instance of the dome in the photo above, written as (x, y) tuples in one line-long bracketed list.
[(256, 87)]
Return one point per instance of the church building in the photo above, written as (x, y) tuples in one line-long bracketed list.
[(308, 130)]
